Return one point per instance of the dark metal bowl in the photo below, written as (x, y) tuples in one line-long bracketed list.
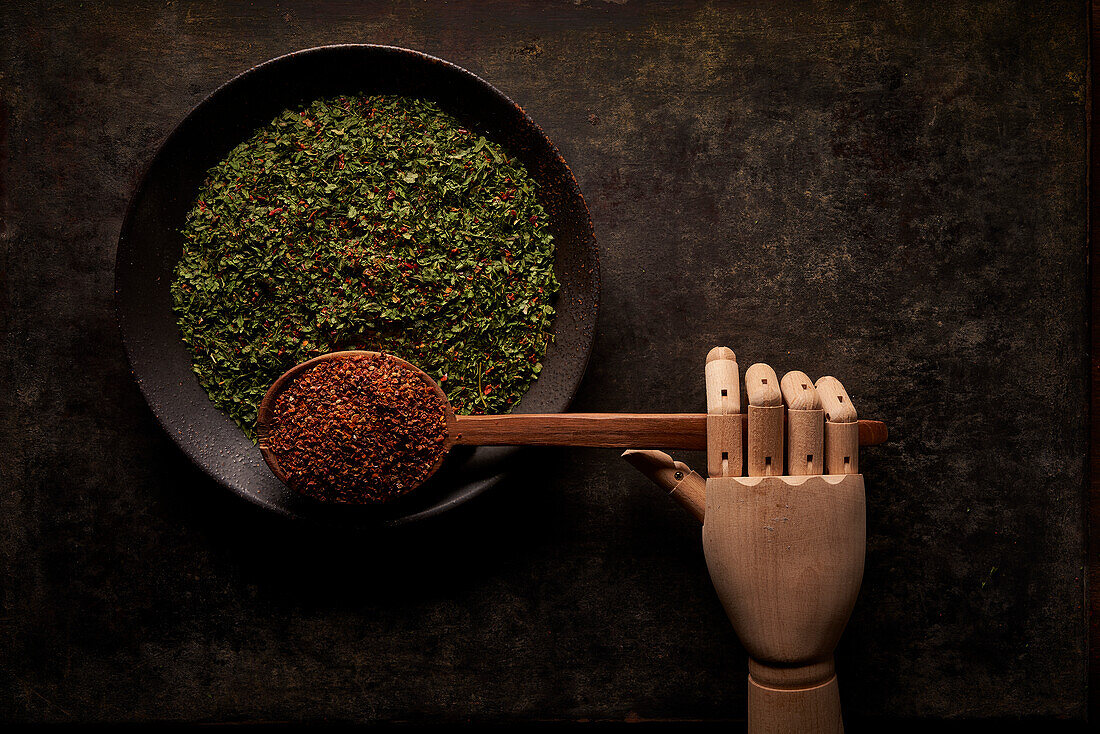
[(150, 245)]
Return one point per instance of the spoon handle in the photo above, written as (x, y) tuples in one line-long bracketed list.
[(603, 430)]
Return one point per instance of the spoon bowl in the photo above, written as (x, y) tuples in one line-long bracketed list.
[(265, 420)]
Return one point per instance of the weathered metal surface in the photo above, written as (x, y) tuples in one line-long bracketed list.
[(891, 193)]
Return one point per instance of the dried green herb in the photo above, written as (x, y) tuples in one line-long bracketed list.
[(367, 223)]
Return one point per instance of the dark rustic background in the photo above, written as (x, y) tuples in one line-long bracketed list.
[(888, 192)]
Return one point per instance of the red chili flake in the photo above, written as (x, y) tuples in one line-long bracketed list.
[(273, 212), (359, 430)]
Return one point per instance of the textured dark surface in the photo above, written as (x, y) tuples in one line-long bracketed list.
[(888, 193)]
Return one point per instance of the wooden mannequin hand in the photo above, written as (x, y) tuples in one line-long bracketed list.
[(784, 544), (785, 555)]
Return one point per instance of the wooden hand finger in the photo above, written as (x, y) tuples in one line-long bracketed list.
[(765, 441), (683, 485), (724, 455), (805, 425), (841, 428)]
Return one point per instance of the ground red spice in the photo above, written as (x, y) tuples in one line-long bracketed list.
[(358, 430)]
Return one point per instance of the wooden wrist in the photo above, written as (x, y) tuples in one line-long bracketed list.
[(813, 710), (790, 677)]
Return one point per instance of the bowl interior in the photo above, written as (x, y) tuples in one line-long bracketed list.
[(150, 245)]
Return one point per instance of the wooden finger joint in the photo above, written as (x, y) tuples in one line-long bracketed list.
[(724, 431)]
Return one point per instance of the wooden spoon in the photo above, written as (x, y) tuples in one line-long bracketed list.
[(601, 430)]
